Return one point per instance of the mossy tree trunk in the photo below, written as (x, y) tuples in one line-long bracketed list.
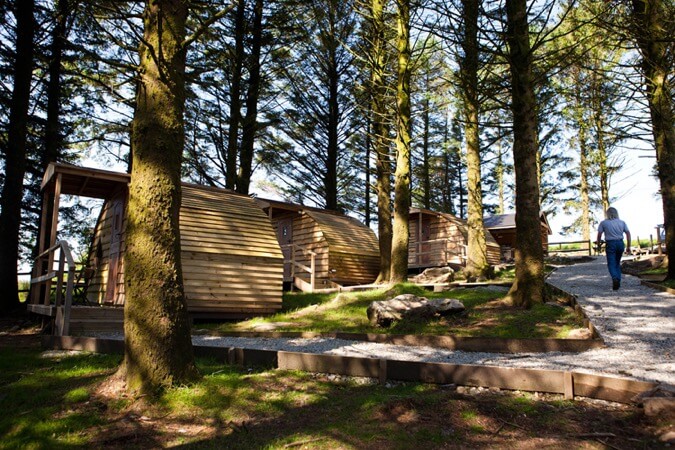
[(528, 288), (250, 123), (379, 120), (476, 263), (654, 30), (400, 237), (15, 155), (158, 348), (330, 179), (584, 163), (53, 142), (235, 96)]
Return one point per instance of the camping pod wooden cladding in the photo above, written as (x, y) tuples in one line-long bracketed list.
[(231, 260), (346, 252), (439, 239), (503, 228), (353, 249), (106, 286)]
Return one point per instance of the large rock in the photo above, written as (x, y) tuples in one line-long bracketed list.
[(446, 306), (435, 275), (409, 306)]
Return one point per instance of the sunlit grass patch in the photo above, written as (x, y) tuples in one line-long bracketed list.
[(347, 312), (36, 389), (239, 408)]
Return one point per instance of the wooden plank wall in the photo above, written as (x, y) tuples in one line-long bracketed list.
[(308, 234), (354, 255), (507, 237), (353, 268), (101, 244), (232, 263), (445, 226), (440, 228), (347, 251), (102, 236)]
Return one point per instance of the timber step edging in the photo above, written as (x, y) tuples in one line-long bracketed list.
[(657, 286), (467, 344), (569, 384)]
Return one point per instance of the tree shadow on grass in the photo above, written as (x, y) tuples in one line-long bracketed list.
[(49, 405)]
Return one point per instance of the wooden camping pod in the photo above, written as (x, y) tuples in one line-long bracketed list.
[(503, 228), (440, 239), (345, 251), (232, 264)]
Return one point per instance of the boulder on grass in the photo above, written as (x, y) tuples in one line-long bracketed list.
[(409, 306), (447, 306), (435, 275)]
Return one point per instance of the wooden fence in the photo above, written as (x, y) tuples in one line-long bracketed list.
[(583, 247)]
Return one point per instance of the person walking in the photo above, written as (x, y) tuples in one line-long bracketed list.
[(614, 229)]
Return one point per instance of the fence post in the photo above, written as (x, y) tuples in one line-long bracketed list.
[(59, 279)]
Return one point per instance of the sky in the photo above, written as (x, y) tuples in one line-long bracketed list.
[(633, 187), (635, 191)]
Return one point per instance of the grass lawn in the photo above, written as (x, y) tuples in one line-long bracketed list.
[(486, 315), (69, 401)]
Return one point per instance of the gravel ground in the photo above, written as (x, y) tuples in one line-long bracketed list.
[(636, 322)]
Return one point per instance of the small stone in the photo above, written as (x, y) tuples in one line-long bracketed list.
[(435, 275), (580, 333), (668, 437), (409, 306), (659, 406)]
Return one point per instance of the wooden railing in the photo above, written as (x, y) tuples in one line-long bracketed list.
[(43, 278), (584, 246), (311, 270), (437, 253)]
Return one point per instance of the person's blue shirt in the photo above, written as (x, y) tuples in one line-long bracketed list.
[(613, 229)]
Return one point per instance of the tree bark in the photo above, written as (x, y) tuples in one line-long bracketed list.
[(235, 97), (368, 145), (598, 124), (380, 135), (584, 189), (425, 175), (476, 263), (53, 137), (250, 125), (653, 29), (157, 345), (499, 173), (528, 288), (15, 158), (330, 177), (400, 237)]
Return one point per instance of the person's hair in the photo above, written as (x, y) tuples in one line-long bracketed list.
[(612, 213)]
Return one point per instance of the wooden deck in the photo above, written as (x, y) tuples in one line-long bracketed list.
[(85, 319)]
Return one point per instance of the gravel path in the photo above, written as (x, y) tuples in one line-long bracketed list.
[(636, 322)]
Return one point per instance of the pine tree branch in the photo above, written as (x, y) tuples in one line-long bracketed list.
[(206, 24)]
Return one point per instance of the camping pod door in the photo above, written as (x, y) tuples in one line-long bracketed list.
[(116, 228), (285, 238)]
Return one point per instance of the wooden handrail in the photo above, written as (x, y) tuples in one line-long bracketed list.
[(65, 263), (586, 247), (445, 251), (311, 270)]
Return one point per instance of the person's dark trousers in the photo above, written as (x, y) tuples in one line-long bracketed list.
[(614, 249)]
